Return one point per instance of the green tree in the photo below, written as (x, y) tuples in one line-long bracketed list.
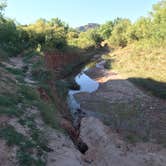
[(119, 33), (3, 5), (9, 36), (140, 30), (159, 12), (84, 40), (96, 38), (56, 22), (55, 38), (105, 30), (159, 21)]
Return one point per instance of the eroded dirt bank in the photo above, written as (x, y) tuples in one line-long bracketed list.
[(25, 138)]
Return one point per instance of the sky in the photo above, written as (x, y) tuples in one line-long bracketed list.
[(77, 12)]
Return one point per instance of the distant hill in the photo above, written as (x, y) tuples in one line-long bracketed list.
[(88, 26)]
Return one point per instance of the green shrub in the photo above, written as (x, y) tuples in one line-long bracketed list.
[(12, 136), (28, 93), (9, 99), (15, 71), (108, 64), (49, 113)]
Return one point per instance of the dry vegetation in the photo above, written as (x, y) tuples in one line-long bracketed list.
[(145, 67)]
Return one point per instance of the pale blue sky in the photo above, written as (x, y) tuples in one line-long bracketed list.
[(77, 12)]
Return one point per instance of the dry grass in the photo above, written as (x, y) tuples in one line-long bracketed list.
[(147, 66)]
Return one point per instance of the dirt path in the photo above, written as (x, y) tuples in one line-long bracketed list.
[(107, 148), (124, 107)]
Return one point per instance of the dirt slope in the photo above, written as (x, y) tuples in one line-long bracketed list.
[(26, 139), (123, 106), (107, 148)]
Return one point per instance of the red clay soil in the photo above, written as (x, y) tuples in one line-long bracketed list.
[(57, 60)]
